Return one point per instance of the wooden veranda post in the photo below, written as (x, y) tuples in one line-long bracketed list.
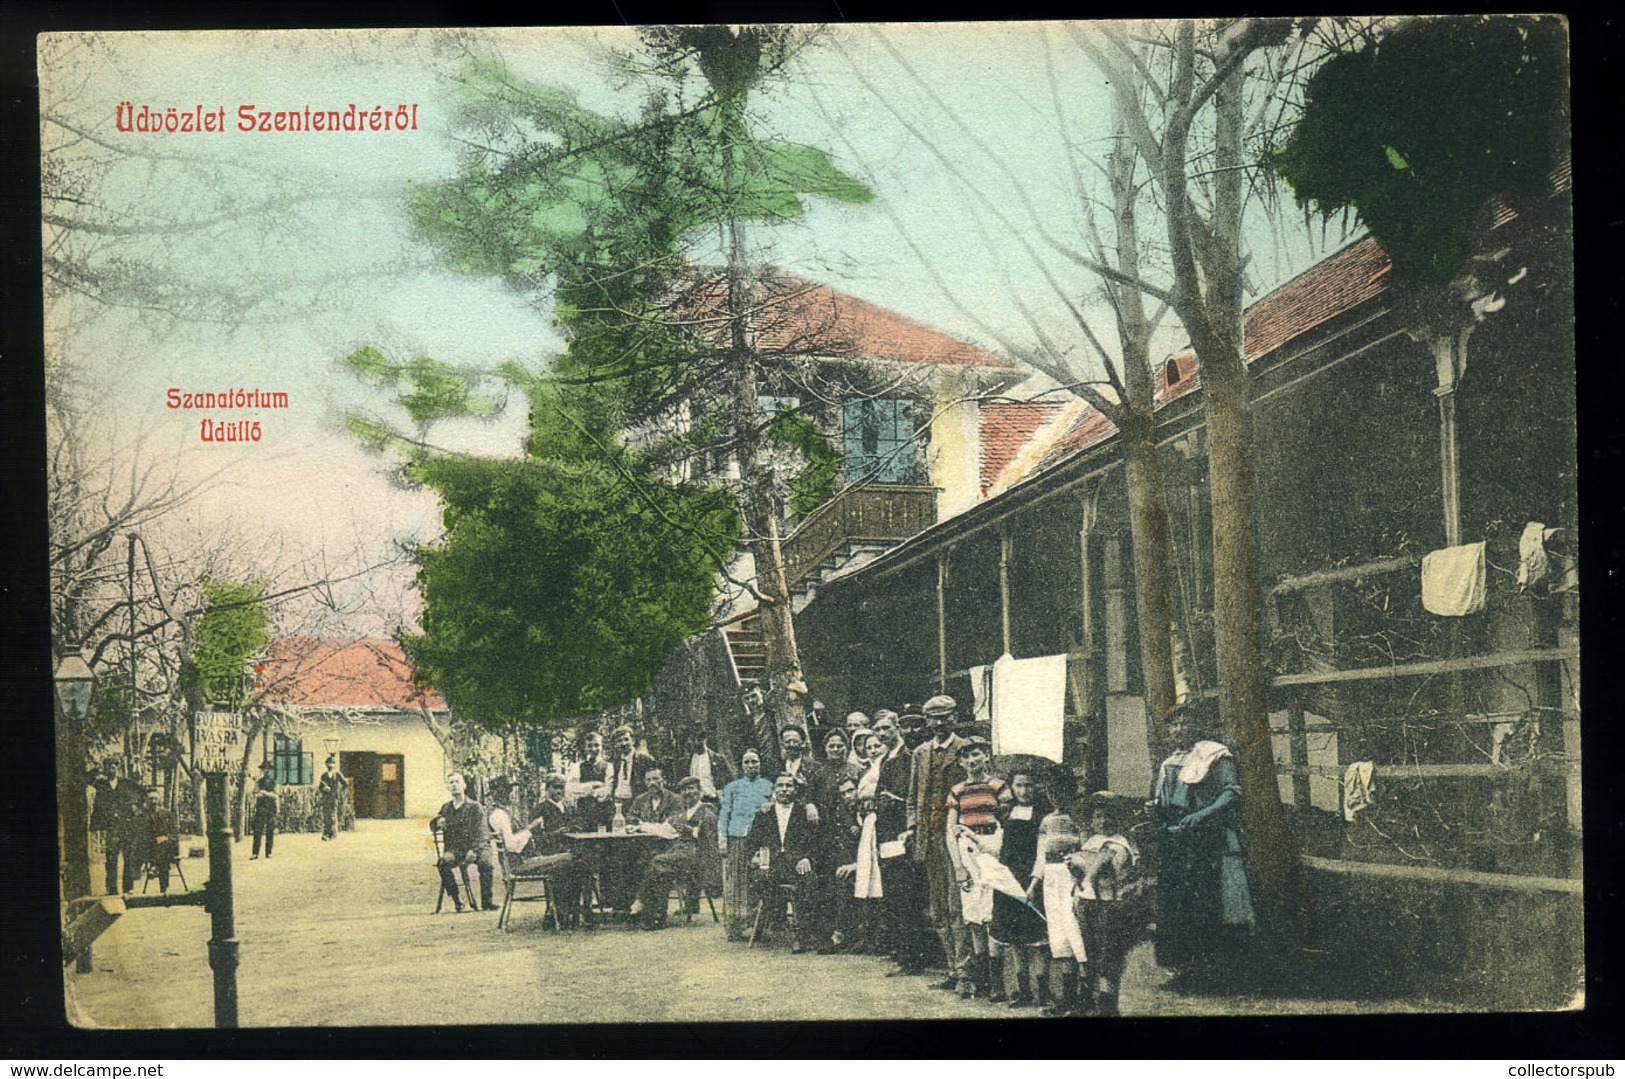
[(1004, 590), (1096, 761), (942, 623)]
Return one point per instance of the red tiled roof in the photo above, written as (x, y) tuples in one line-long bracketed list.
[(1332, 286), (1005, 427), (313, 672), (800, 317)]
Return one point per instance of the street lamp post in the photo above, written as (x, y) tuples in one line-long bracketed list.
[(75, 684), (221, 905)]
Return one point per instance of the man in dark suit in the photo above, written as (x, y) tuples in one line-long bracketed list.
[(160, 849), (798, 762), (789, 835), (117, 815), (467, 842), (905, 931), (547, 850), (936, 770), (628, 766), (656, 802)]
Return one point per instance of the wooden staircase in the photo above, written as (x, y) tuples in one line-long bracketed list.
[(748, 647), (857, 526)]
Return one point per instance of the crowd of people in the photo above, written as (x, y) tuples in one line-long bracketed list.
[(893, 836)]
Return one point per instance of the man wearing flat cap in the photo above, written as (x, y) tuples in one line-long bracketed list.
[(936, 770), (692, 861)]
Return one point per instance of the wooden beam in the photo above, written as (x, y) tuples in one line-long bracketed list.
[(1513, 882), (1437, 666), (1435, 771), (1086, 528), (1344, 573), (1324, 723), (89, 918), (1004, 591), (942, 622)]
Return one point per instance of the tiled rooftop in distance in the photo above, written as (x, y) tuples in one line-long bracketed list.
[(310, 672), (1005, 427), (796, 316), (1332, 286)]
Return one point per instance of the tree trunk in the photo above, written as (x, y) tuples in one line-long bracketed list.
[(1238, 641), (1136, 421), (1207, 295), (1153, 554), (759, 502)]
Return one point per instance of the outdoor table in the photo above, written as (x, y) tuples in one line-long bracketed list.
[(600, 849), (600, 837)]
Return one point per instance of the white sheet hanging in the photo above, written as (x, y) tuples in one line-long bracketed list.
[(1029, 705), (1453, 580)]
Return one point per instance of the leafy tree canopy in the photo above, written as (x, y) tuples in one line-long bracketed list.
[(1419, 130), (230, 632), (563, 581), (566, 576), (564, 190)]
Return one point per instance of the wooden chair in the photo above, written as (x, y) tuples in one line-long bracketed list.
[(438, 829), (170, 853), (512, 878), (689, 893), (785, 895)]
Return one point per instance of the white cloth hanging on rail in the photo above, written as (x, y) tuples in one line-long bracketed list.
[(1453, 580), (1029, 706)]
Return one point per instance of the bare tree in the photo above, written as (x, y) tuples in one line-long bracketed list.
[(1116, 382), (1206, 69)]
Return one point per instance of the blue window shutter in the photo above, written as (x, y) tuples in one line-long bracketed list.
[(896, 451)]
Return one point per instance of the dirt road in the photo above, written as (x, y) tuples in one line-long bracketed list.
[(342, 934)]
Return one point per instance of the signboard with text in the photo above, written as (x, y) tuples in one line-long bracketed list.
[(218, 745)]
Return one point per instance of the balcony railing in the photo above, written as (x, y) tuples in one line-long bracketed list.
[(878, 512)]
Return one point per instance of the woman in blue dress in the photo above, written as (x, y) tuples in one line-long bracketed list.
[(1204, 905)]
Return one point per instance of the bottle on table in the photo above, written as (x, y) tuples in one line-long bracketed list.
[(619, 823)]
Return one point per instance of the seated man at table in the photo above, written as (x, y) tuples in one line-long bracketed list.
[(540, 845), (541, 848), (692, 860), (548, 852), (656, 802), (467, 841), (788, 834)]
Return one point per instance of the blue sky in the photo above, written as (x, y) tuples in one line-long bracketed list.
[(1014, 113)]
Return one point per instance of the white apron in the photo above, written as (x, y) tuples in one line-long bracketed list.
[(1065, 936)]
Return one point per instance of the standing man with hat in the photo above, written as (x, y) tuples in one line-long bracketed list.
[(936, 770), (331, 788), (265, 807), (115, 815)]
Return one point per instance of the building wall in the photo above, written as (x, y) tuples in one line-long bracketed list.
[(424, 764), (955, 455)]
